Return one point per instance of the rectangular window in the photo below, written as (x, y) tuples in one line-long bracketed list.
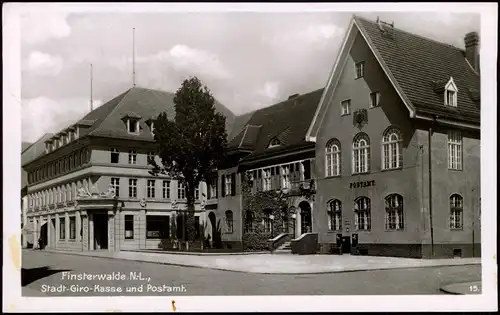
[(266, 179), (213, 190), (132, 157), (115, 156), (181, 191), (360, 69), (151, 188), (345, 107), (166, 189), (133, 126), (374, 99), (115, 183), (129, 227), (285, 176), (228, 185), (132, 188), (151, 156), (157, 226), (455, 150), (72, 228), (451, 98), (62, 228)]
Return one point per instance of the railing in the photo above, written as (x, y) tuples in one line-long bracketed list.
[(305, 244), (302, 187), (278, 241)]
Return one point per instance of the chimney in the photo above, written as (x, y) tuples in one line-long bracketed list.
[(472, 49)]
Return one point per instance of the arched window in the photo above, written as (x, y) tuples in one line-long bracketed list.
[(334, 215), (362, 213), (68, 191), (456, 212), (229, 221), (268, 223), (274, 143), (391, 149), (394, 216), (333, 158), (360, 154), (249, 218)]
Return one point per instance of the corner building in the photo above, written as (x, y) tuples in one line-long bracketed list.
[(396, 101), (91, 188)]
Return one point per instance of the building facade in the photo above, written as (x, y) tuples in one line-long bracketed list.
[(398, 146), (92, 190), (388, 161)]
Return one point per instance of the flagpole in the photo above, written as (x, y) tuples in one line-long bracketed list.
[(91, 97), (133, 56)]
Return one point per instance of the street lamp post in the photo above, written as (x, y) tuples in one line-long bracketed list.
[(271, 217)]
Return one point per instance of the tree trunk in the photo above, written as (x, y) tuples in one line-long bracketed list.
[(190, 228)]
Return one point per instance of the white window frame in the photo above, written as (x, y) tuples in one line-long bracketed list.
[(228, 184), (394, 213), (451, 94), (377, 99), (362, 214), (181, 191), (132, 157), (213, 190), (266, 179), (166, 189), (332, 158), (114, 151), (285, 176), (151, 192), (131, 122), (115, 183), (456, 212), (132, 187), (345, 107), (334, 210), (392, 156), (274, 143), (455, 150), (359, 69), (361, 154)]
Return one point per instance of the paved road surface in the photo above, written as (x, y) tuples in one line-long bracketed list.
[(45, 271)]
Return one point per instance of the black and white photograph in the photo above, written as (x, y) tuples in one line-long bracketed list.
[(249, 157)]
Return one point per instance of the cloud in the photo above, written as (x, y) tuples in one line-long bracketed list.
[(43, 64), (44, 115), (312, 34), (41, 25)]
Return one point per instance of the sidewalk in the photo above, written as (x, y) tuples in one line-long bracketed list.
[(280, 263)]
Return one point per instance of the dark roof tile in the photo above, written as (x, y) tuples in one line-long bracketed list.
[(416, 62)]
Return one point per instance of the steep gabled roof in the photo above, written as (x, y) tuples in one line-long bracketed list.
[(417, 67), (287, 121), (416, 62)]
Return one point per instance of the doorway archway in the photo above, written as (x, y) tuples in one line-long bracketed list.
[(305, 217)]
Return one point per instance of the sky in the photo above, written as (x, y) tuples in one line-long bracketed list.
[(248, 60)]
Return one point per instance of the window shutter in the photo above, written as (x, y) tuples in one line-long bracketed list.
[(233, 184), (223, 186)]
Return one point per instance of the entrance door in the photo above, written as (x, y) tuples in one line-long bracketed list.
[(52, 227), (305, 217), (346, 244), (44, 235), (100, 231)]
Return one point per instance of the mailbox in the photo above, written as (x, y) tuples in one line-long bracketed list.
[(355, 240)]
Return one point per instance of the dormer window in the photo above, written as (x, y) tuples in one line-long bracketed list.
[(274, 143), (133, 126), (450, 94)]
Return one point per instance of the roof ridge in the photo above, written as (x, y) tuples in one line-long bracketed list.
[(413, 34), (112, 111)]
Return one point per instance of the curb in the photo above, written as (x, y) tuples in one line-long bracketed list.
[(262, 273), (194, 253)]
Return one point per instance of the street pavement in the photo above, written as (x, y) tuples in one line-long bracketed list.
[(45, 271), (280, 263)]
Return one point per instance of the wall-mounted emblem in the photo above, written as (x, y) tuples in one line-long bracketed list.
[(360, 117), (143, 202)]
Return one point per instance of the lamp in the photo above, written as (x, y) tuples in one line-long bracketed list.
[(271, 217), (294, 216)]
